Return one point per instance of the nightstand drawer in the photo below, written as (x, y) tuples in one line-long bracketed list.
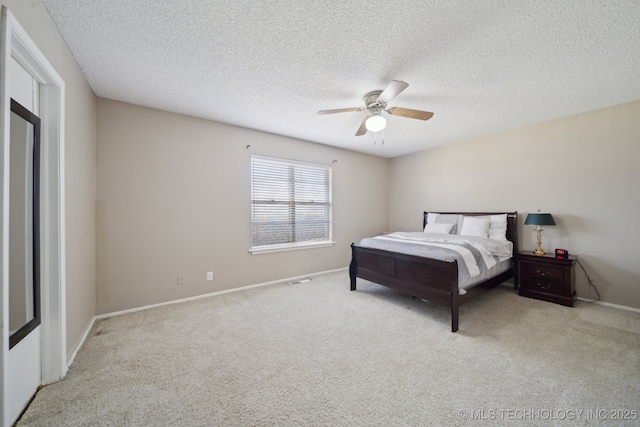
[(542, 285), (543, 271)]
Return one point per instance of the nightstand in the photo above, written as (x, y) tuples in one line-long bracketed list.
[(547, 277)]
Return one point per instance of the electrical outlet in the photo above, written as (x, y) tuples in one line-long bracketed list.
[(180, 279), (209, 275)]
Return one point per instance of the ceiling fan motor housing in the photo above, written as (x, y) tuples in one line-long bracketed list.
[(372, 103)]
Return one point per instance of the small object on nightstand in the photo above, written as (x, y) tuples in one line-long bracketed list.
[(547, 277)]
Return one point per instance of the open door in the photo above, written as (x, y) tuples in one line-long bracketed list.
[(32, 235)]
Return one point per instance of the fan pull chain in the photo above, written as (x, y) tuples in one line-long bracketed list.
[(375, 141)]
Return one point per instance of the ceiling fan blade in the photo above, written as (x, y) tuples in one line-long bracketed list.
[(341, 110), (393, 90), (363, 127), (412, 114)]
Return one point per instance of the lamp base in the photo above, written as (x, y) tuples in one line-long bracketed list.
[(539, 252)]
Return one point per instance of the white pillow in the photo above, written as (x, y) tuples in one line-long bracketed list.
[(444, 219), (438, 228), (474, 226), (498, 227)]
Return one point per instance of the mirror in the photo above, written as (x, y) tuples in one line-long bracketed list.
[(24, 219)]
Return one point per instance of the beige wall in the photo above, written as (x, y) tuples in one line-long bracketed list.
[(80, 132), (583, 169), (173, 197)]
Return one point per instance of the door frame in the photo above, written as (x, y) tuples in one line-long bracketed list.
[(16, 43)]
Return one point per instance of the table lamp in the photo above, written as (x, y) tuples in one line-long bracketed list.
[(539, 219)]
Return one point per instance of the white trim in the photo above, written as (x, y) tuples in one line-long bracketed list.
[(52, 88), (85, 334), (53, 237), (289, 247), (608, 304), (243, 288), (605, 304), (16, 43), (5, 57), (281, 160), (87, 330), (78, 345)]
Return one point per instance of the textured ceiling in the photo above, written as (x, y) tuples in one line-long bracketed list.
[(481, 66)]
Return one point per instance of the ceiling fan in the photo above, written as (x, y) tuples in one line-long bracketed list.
[(376, 102)]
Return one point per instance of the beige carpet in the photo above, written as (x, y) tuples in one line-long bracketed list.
[(317, 354)]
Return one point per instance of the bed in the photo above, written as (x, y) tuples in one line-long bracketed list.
[(384, 259)]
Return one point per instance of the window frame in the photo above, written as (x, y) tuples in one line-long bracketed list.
[(292, 203)]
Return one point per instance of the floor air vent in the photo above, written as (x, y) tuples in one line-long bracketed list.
[(298, 282)]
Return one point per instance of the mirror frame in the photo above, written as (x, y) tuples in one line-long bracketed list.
[(28, 116)]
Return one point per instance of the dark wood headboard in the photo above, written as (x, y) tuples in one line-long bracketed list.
[(512, 224)]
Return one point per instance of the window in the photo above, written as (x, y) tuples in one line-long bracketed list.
[(290, 205)]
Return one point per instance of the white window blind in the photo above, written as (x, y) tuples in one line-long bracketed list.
[(290, 204)]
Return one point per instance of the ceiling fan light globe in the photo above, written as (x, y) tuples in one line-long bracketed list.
[(376, 123)]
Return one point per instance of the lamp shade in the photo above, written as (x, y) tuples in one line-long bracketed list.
[(375, 123), (539, 219)]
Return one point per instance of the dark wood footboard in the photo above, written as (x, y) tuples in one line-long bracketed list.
[(426, 278)]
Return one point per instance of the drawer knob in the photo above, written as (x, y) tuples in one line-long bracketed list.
[(541, 273), (541, 286)]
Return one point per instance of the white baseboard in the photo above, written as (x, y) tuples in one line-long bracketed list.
[(243, 288), (605, 304), (80, 342), (87, 329), (608, 304)]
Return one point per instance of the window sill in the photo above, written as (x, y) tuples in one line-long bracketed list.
[(295, 247)]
